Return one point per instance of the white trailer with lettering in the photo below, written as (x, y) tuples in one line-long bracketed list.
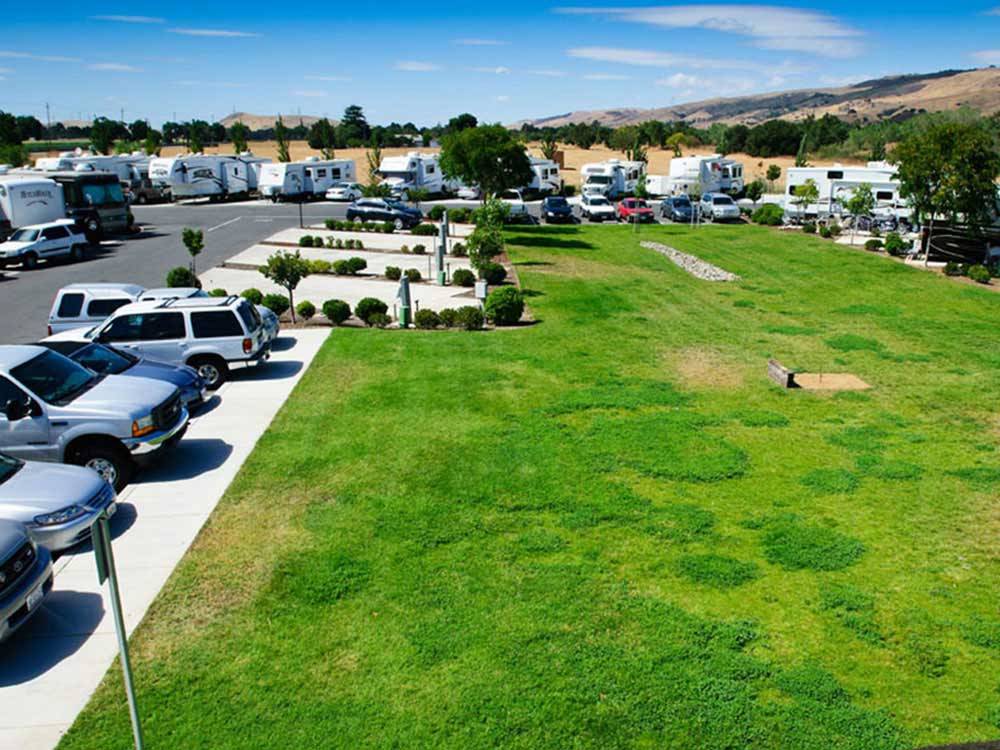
[(613, 177), (29, 199), (308, 178), (836, 184), (401, 174)]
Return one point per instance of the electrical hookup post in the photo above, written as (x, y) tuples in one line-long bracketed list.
[(100, 536), (403, 295), (442, 248)]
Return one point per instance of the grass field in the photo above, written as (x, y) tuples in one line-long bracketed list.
[(609, 529)]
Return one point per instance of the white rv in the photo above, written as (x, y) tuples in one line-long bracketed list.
[(836, 185), (414, 170), (29, 199), (213, 176), (613, 177), (127, 167), (699, 174), (545, 176), (300, 179)]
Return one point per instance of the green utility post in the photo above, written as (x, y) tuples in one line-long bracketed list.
[(404, 302), (440, 251)]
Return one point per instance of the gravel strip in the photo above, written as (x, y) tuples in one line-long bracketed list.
[(694, 266)]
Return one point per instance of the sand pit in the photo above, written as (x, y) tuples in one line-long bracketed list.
[(830, 381)]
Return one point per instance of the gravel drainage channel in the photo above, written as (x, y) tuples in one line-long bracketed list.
[(693, 265)]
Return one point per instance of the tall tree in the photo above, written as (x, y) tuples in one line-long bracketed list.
[(801, 159), (773, 175), (460, 122), (489, 156), (238, 134), (353, 129), (676, 143), (153, 140), (30, 127), (138, 130), (374, 159), (102, 135), (549, 146), (281, 137), (806, 193), (10, 135), (194, 139), (323, 138), (861, 203), (194, 241)]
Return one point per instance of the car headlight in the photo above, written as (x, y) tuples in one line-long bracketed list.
[(63, 515), (143, 426)]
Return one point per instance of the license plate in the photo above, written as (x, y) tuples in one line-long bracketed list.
[(34, 598)]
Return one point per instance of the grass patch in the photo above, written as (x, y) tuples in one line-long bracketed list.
[(831, 481), (851, 342), (800, 546), (761, 418), (716, 570), (854, 609)]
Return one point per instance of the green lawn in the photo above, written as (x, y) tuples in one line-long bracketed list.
[(609, 529)]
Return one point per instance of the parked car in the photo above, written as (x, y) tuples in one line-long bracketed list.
[(272, 325), (555, 208), (208, 334), (79, 305), (56, 239), (596, 207), (718, 207), (677, 208), (635, 210), (384, 209), (53, 409), (107, 360), (469, 193), (518, 211), (25, 577), (57, 504), (144, 191), (344, 191)]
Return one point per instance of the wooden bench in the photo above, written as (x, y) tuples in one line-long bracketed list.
[(781, 374)]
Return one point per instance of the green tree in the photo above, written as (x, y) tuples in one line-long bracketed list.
[(374, 158), (487, 241), (549, 146), (773, 175), (323, 138), (461, 122), (806, 193), (801, 159), (138, 130), (418, 194), (153, 141), (628, 140), (281, 137), (239, 134), (353, 129), (861, 203), (30, 128), (286, 270), (10, 134), (676, 143), (194, 241), (755, 190), (489, 156), (102, 135), (126, 147)]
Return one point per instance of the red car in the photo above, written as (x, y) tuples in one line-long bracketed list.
[(635, 209)]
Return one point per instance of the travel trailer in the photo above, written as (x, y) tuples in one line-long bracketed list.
[(545, 176), (311, 177), (699, 174), (613, 177), (214, 176), (836, 185), (127, 167), (27, 200), (160, 169), (414, 170)]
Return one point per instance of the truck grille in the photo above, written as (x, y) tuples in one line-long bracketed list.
[(16, 566), (166, 413)]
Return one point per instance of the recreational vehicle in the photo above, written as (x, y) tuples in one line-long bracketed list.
[(414, 170), (699, 174), (214, 176), (837, 184), (27, 200), (303, 179), (613, 177), (545, 177), (94, 199), (126, 167)]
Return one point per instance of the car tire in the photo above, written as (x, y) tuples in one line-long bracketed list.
[(359, 219), (213, 370), (92, 228), (141, 199), (398, 224), (76, 253), (30, 261), (111, 461)]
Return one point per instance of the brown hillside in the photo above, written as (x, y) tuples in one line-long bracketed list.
[(262, 122)]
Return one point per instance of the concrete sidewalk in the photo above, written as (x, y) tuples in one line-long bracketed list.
[(50, 668)]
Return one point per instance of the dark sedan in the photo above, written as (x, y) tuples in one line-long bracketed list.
[(555, 208), (107, 360), (384, 209), (677, 208)]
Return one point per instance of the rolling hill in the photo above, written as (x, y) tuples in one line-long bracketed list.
[(262, 122)]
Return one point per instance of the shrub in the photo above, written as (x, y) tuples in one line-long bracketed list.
[(419, 249), (218, 293), (393, 273), (436, 213), (460, 215), (388, 227), (458, 250), (770, 215), (825, 233), (253, 296), (320, 266), (980, 274), (182, 276), (469, 317), (413, 275), (569, 191), (504, 306), (305, 309), (835, 229), (359, 245), (894, 244), (873, 245), (332, 224), (449, 317), (356, 264), (306, 240), (368, 307), (349, 244), (276, 303), (336, 311), (329, 242), (424, 230), (463, 277), (340, 244), (426, 319), (951, 268), (809, 227), (341, 267), (493, 273), (405, 249), (379, 320)]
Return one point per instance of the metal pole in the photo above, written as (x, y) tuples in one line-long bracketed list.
[(300, 214)]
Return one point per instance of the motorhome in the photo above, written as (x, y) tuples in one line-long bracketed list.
[(699, 174), (545, 176), (836, 185), (311, 177), (127, 167), (93, 199), (214, 176), (413, 170), (27, 200), (613, 177)]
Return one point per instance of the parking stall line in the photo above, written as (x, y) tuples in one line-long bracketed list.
[(224, 224)]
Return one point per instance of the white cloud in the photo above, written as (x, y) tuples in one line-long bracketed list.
[(992, 12), (480, 42), (313, 94), (213, 32), (327, 78), (770, 27), (698, 87), (988, 56), (503, 98), (212, 84), (42, 58), (130, 19), (500, 70), (652, 59), (606, 77), (114, 67), (416, 66), (548, 73)]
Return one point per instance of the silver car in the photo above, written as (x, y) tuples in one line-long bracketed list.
[(25, 577), (56, 503)]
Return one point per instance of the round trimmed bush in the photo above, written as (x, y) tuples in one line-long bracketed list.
[(449, 317), (368, 307), (341, 267), (336, 311), (253, 296), (419, 249), (393, 273), (426, 319), (276, 303), (894, 244), (320, 266), (835, 230), (182, 276), (873, 245), (424, 230), (356, 264), (379, 320), (769, 214), (492, 273), (825, 233), (504, 306), (458, 250), (463, 277), (305, 309), (413, 275), (809, 227), (951, 268), (436, 213), (459, 215), (980, 274), (469, 317), (218, 293)]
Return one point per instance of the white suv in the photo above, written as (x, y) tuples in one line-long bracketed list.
[(206, 333), (596, 207), (56, 239), (718, 207)]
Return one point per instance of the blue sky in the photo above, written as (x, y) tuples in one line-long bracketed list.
[(425, 62)]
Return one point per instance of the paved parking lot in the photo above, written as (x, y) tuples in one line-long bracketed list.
[(53, 664)]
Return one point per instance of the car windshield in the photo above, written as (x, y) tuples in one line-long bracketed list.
[(599, 179), (396, 205), (54, 378), (103, 359), (681, 203), (8, 467), (599, 202), (557, 202), (342, 185), (24, 235), (722, 201)]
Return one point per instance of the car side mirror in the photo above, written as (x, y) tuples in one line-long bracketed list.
[(16, 410)]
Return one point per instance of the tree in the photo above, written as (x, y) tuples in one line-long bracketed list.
[(217, 132), (30, 128), (323, 137), (774, 138), (102, 135), (238, 134), (418, 194), (173, 131), (486, 241), (773, 175), (153, 140), (195, 145), (675, 142), (194, 241), (628, 140), (489, 156), (281, 137), (353, 129), (733, 140), (126, 147), (461, 122), (286, 270), (374, 157), (10, 134), (755, 190), (138, 130), (806, 193), (861, 203), (801, 154), (549, 146)]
